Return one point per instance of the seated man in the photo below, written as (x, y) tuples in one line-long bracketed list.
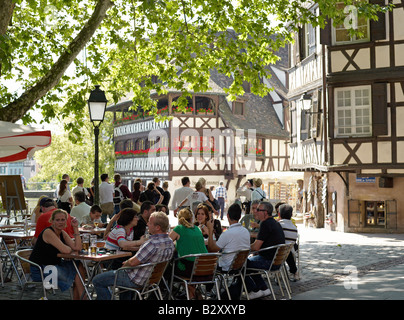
[(270, 234), (235, 238), (290, 231), (81, 209), (158, 248), (95, 214)]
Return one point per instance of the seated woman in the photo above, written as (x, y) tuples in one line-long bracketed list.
[(53, 240), (121, 237), (202, 216), (189, 240)]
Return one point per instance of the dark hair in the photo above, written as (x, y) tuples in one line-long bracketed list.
[(268, 207), (285, 211), (80, 196), (126, 203), (159, 206), (136, 191), (234, 212), (184, 180), (126, 216), (62, 187), (104, 176), (150, 186), (146, 206), (95, 208), (278, 205), (79, 180), (117, 177)]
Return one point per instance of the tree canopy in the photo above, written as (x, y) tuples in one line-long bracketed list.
[(53, 52)]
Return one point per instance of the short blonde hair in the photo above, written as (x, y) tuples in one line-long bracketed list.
[(161, 220)]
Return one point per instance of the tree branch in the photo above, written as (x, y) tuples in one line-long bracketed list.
[(19, 107)]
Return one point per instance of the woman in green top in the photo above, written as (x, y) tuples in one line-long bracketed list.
[(189, 240)]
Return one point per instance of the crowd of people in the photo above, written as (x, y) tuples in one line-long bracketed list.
[(138, 222)]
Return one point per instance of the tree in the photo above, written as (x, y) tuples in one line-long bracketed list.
[(126, 42), (76, 158)]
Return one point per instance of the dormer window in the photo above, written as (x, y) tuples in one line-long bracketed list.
[(238, 108)]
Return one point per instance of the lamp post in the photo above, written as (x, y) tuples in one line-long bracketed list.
[(306, 99), (97, 103)]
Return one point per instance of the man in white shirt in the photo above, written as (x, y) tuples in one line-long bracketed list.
[(235, 238), (181, 194), (79, 187), (81, 209), (106, 198)]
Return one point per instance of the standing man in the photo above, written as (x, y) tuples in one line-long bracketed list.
[(159, 248), (181, 194), (221, 196), (121, 192), (106, 198), (79, 187)]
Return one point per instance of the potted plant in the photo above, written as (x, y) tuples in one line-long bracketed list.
[(189, 110), (209, 111), (201, 111)]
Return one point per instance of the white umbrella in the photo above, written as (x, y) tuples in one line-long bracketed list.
[(17, 142)]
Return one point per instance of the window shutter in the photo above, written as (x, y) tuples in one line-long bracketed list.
[(325, 34), (379, 109), (297, 47), (378, 28)]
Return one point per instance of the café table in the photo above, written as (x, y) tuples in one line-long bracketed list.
[(16, 236), (97, 258), (92, 231), (10, 226)]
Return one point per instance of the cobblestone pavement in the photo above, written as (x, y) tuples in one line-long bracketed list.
[(323, 256)]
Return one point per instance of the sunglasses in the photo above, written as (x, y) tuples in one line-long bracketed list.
[(262, 210)]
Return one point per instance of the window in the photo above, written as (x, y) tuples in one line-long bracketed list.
[(341, 33), (238, 108), (353, 111), (307, 41)]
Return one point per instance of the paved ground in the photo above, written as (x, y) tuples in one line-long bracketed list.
[(333, 266)]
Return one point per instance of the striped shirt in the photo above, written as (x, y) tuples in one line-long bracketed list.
[(289, 229), (118, 234), (160, 247)]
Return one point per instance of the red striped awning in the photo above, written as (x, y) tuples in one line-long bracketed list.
[(17, 142)]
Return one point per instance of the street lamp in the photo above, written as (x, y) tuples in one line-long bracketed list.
[(97, 103), (306, 100)]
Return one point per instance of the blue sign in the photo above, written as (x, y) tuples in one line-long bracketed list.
[(366, 179)]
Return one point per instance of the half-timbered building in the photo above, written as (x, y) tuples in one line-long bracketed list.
[(215, 138), (349, 139)]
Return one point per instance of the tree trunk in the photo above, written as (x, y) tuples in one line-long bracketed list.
[(5, 17), (18, 108)]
